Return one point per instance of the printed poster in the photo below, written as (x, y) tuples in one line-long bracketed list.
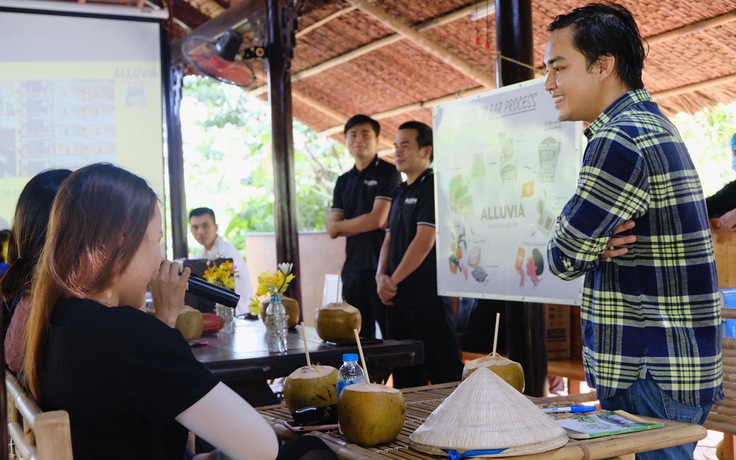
[(504, 167)]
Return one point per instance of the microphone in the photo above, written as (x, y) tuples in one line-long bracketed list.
[(208, 291)]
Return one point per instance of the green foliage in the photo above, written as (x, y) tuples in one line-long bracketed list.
[(707, 135), (228, 165)]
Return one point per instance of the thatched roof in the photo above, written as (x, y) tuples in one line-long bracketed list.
[(394, 59)]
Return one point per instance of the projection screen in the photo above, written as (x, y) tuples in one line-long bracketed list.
[(78, 86)]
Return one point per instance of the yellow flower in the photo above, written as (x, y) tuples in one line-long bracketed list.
[(270, 283), (254, 306), (263, 281), (222, 275)]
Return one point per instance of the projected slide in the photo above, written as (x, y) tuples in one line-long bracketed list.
[(41, 120), (90, 93)]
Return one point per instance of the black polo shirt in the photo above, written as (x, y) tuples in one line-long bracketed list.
[(413, 205), (355, 192)]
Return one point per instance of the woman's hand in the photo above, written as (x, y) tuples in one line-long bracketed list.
[(167, 291)]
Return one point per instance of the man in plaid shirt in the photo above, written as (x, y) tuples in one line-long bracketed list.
[(636, 227)]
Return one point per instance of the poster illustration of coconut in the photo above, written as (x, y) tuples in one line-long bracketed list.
[(504, 167)]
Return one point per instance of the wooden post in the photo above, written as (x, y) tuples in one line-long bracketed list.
[(525, 330), (281, 29), (514, 40), (173, 81)]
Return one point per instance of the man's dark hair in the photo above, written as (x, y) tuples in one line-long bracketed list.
[(424, 134), (607, 30), (196, 212), (359, 120)]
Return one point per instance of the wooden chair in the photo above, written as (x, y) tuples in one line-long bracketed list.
[(35, 434), (571, 369), (722, 416), (332, 291)]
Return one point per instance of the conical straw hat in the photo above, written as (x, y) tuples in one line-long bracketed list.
[(486, 413)]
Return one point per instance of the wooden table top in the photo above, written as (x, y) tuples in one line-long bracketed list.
[(247, 346), (421, 401)]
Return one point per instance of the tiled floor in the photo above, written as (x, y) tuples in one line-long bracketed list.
[(706, 449)]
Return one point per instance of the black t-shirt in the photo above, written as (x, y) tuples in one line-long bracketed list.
[(413, 205), (123, 376), (722, 201), (355, 192)]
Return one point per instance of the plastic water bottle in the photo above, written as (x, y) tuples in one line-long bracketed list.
[(276, 322), (350, 372)]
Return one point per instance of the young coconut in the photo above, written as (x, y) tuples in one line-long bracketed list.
[(190, 323), (369, 413), (335, 322), (311, 386), (510, 371)]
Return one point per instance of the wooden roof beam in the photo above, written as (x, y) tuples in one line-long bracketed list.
[(411, 107), (679, 91), (653, 39), (380, 43), (329, 111), (188, 15), (225, 5), (211, 8), (324, 21), (318, 106), (370, 47), (691, 88), (688, 29), (425, 43)]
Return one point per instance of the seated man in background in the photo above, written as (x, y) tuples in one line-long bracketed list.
[(203, 226)]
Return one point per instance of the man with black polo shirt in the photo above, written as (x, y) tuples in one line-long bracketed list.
[(407, 268), (360, 206)]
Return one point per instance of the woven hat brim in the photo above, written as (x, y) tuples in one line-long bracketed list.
[(484, 412), (510, 452)]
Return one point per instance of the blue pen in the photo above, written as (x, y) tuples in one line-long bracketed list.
[(573, 409)]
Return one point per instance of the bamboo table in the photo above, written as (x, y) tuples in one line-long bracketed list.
[(421, 401)]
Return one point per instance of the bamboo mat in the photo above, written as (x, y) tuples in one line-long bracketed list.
[(420, 402)]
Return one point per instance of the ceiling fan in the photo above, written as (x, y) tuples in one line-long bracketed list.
[(219, 59)]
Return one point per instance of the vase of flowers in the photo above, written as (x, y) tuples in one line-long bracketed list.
[(273, 285), (223, 275)]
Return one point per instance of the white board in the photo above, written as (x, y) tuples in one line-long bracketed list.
[(504, 167)]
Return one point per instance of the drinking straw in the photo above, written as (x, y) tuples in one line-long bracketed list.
[(495, 335), (362, 358), (306, 348), (337, 291)]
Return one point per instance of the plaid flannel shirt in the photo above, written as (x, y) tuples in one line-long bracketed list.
[(655, 310)]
